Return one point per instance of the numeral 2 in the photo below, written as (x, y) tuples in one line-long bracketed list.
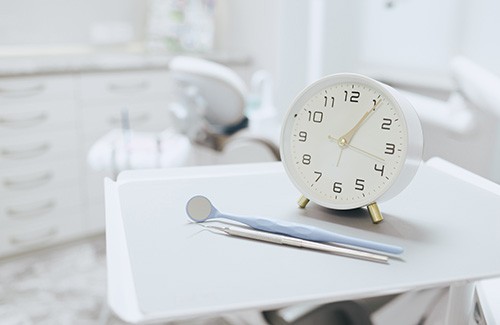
[(386, 124)]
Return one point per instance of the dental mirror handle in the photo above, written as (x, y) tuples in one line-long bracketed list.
[(310, 233)]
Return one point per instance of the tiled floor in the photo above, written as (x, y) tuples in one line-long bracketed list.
[(63, 285), (67, 285)]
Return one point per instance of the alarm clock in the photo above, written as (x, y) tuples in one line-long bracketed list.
[(349, 141)]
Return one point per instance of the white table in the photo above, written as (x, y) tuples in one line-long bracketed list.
[(162, 267)]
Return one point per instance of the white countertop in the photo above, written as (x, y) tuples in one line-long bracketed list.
[(20, 61)]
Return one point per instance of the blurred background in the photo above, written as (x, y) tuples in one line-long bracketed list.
[(91, 88)]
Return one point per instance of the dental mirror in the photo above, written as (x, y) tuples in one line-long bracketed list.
[(200, 209)]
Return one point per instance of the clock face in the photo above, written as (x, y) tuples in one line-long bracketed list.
[(344, 141)]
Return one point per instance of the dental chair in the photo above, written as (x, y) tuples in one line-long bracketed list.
[(211, 109), (208, 124)]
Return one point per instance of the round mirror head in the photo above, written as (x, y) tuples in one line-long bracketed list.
[(199, 208)]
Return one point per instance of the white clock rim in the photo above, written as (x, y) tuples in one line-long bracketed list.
[(412, 158)]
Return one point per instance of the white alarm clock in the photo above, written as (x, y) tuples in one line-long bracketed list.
[(349, 141)]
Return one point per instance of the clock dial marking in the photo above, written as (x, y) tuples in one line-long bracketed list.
[(347, 142), (366, 143)]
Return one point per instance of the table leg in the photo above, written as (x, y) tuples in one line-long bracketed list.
[(460, 304)]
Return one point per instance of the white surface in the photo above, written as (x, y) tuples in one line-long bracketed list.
[(453, 115), (179, 270), (463, 174), (488, 290), (479, 85), (409, 45), (489, 295)]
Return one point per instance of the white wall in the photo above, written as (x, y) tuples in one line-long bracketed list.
[(481, 28), (271, 33), (63, 22)]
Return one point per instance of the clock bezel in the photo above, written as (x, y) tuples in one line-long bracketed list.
[(410, 121)]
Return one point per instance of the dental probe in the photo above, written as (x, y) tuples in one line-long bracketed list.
[(291, 241)]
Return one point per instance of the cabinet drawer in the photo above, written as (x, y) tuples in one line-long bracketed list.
[(18, 119), (33, 148), (125, 86), (37, 206), (65, 225), (38, 177), (36, 88)]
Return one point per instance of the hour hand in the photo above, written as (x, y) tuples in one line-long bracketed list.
[(346, 138)]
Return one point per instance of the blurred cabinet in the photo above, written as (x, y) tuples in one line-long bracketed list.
[(48, 193), (40, 201), (103, 97)]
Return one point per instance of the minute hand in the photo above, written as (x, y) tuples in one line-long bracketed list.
[(346, 138)]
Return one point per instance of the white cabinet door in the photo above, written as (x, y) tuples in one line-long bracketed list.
[(41, 198), (106, 100)]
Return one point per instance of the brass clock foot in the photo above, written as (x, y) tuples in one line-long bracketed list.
[(303, 201), (375, 213)]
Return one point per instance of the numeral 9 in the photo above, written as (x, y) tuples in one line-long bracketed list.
[(302, 136)]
